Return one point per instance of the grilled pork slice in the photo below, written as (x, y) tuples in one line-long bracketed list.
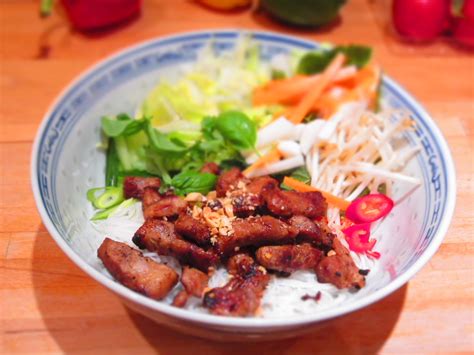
[(136, 271), (194, 282), (180, 299), (160, 236), (193, 229), (250, 200), (291, 203), (256, 231), (134, 186), (258, 185), (241, 296), (289, 258), (339, 269), (245, 204), (240, 264), (158, 206), (229, 181), (312, 232)]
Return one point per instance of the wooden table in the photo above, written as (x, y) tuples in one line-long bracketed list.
[(48, 305)]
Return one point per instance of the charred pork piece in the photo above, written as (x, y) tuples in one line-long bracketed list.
[(180, 299), (290, 203), (159, 206), (242, 294), (258, 185), (229, 181), (240, 264), (289, 258), (311, 232), (160, 236), (135, 186), (150, 197), (194, 282), (211, 168), (193, 229), (250, 201), (339, 269), (246, 204), (136, 271), (256, 231)]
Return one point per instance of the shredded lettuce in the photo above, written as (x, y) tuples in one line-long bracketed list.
[(215, 83)]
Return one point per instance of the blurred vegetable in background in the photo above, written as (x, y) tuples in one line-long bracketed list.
[(420, 20), (303, 12), (226, 4), (426, 20), (88, 15), (463, 25)]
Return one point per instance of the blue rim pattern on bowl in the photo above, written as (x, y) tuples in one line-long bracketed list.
[(435, 160)]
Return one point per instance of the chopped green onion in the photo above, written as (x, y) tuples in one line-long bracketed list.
[(110, 196), (112, 167), (104, 214)]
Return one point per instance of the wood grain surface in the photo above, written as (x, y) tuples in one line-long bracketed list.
[(47, 305)]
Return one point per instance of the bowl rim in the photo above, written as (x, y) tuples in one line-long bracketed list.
[(244, 323)]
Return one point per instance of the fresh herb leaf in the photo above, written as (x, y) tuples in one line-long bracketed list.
[(122, 125), (208, 126), (161, 143), (317, 61), (356, 55), (191, 181), (131, 151), (314, 62), (300, 174), (237, 129)]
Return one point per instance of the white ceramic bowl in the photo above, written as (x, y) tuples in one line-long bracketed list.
[(66, 163)]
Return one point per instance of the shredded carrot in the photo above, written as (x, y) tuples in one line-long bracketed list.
[(306, 103), (290, 91), (271, 157), (327, 104), (284, 91), (330, 198), (362, 86)]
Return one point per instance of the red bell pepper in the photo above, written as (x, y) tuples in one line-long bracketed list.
[(88, 15)]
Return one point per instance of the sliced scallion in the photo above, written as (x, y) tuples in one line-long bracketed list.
[(111, 196)]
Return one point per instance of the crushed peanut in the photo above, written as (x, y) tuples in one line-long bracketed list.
[(212, 195), (194, 197), (196, 212), (242, 186), (331, 253)]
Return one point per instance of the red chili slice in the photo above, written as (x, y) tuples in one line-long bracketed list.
[(358, 238), (373, 254), (369, 208)]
